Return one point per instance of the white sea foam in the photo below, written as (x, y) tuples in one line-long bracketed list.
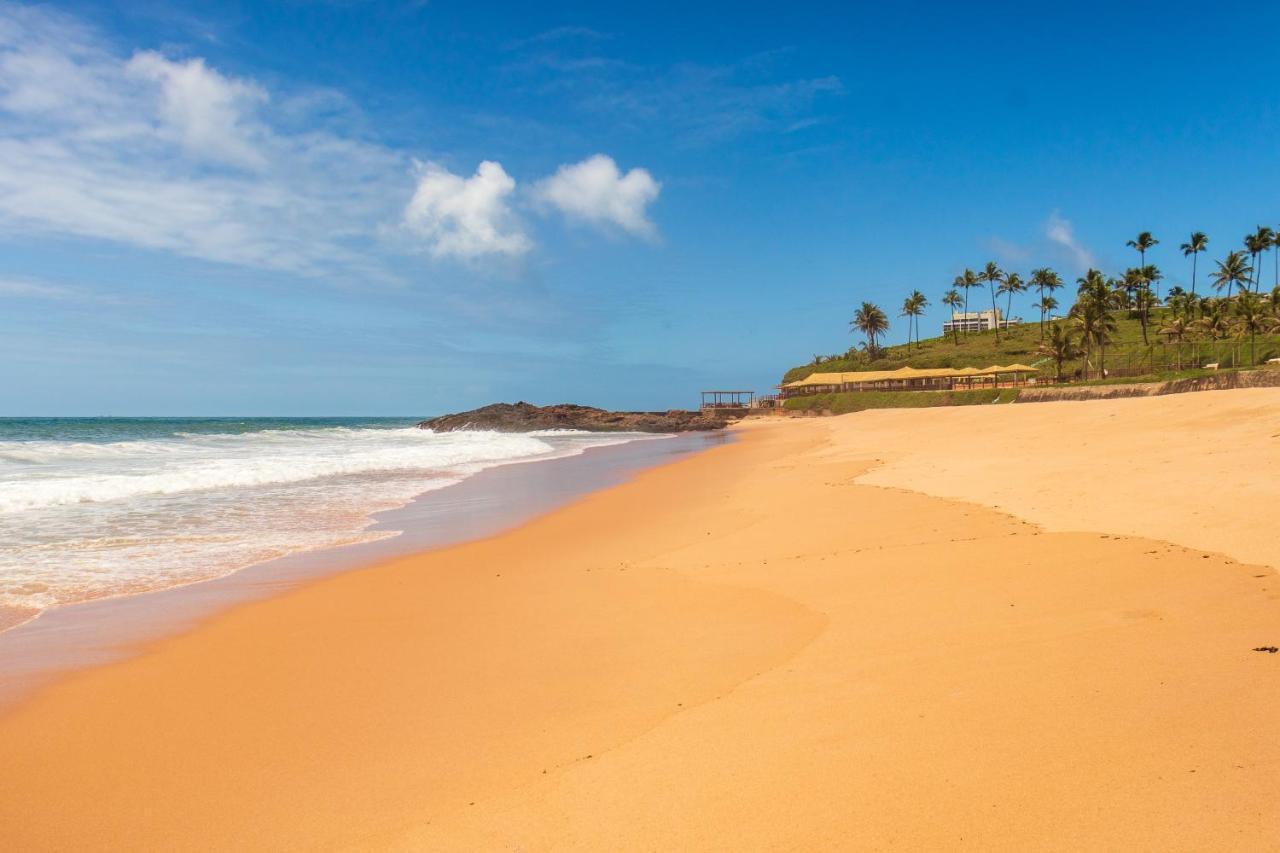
[(82, 519), (47, 475)]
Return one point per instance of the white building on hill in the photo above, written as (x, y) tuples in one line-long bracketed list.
[(978, 321)]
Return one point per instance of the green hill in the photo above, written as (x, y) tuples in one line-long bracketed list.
[(1127, 356)]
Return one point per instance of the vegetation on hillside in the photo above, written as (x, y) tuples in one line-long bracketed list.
[(1116, 327), (857, 401)]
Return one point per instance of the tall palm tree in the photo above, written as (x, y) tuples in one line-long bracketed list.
[(1150, 274), (1137, 285), (1198, 243), (1012, 284), (1061, 346), (907, 312), (1275, 242), (993, 275), (1042, 279), (912, 307), (966, 281), (1142, 242), (1085, 321), (1232, 271), (871, 320), (1252, 245), (952, 300), (1266, 239)]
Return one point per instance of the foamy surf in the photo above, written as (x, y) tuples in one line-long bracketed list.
[(103, 507)]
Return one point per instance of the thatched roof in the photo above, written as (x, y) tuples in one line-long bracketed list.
[(865, 376)]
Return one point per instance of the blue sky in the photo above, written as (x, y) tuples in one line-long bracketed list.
[(405, 208)]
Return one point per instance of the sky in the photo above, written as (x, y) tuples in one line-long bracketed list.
[(359, 208)]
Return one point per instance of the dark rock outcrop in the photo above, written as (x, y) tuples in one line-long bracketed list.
[(526, 417)]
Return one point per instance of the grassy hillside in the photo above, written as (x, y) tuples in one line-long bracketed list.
[(857, 401), (1127, 355)]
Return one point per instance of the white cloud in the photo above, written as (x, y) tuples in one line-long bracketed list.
[(1061, 232), (596, 191), (174, 155), (208, 113), (466, 218), (99, 145), (25, 288)]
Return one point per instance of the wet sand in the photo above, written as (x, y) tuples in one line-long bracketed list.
[(108, 629), (753, 648)]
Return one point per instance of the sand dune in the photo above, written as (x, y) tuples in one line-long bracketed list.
[(788, 643)]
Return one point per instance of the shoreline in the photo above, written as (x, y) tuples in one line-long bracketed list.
[(751, 648), (98, 631)]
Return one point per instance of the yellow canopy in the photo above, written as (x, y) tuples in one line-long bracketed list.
[(901, 373)]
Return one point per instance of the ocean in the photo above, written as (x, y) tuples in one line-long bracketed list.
[(97, 507)]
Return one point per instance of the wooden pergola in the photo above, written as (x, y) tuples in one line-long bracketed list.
[(727, 399)]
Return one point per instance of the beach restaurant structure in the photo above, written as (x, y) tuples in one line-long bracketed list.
[(913, 379)]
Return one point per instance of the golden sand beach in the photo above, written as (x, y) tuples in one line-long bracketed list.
[(1022, 627)]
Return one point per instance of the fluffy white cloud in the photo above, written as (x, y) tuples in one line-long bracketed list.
[(208, 113), (596, 191), (99, 145), (173, 155), (466, 218), (1061, 232)]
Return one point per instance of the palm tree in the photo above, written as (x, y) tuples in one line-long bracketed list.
[(1135, 281), (1235, 270), (1198, 243), (1251, 318), (992, 275), (966, 281), (1060, 347), (1176, 330), (1047, 306), (1012, 284), (952, 300), (1205, 305), (1266, 238), (1085, 323), (906, 312), (1043, 279), (1275, 242), (1092, 317), (1142, 242), (1213, 323), (871, 320), (1253, 245), (1150, 273), (1275, 299), (912, 307), (1181, 304)]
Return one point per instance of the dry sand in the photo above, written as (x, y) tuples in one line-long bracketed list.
[(752, 649)]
